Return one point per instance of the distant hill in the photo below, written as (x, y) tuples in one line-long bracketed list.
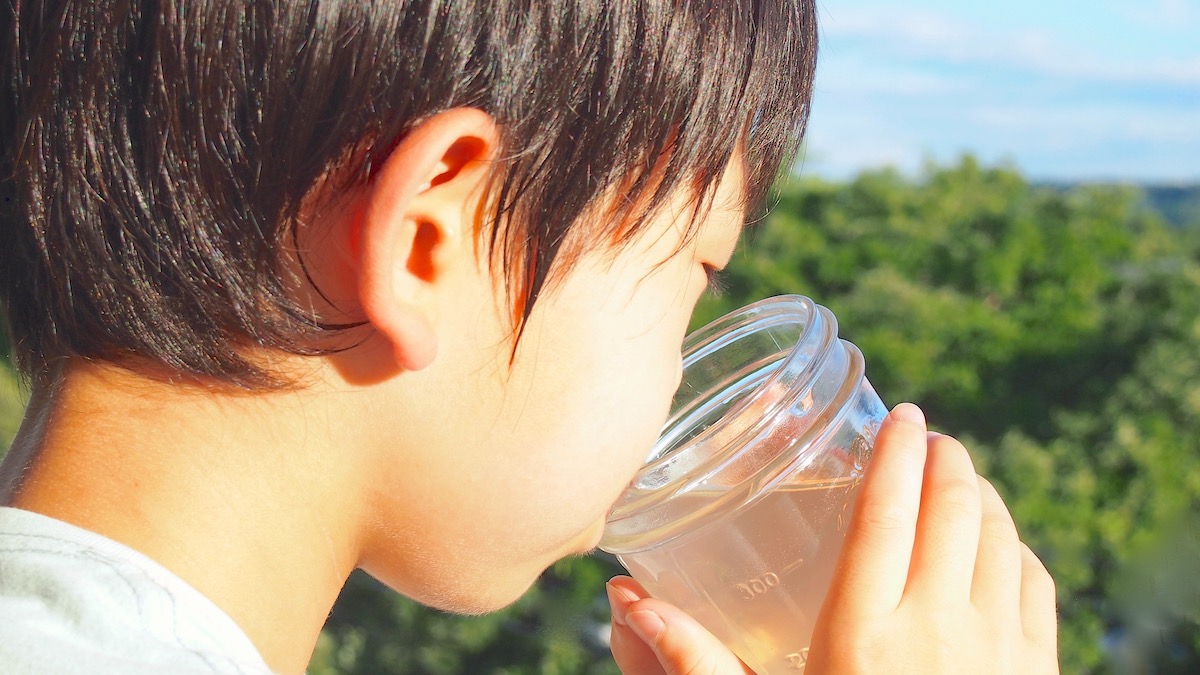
[(1178, 204)]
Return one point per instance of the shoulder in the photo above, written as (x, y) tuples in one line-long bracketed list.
[(75, 602)]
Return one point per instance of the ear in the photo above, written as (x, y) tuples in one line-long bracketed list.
[(418, 224)]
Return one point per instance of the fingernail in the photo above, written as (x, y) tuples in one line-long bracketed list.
[(909, 413), (619, 600), (646, 624)]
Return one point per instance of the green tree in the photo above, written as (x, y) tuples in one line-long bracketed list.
[(12, 400), (12, 406), (1056, 331)]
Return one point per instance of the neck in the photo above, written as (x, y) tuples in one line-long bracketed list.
[(240, 485)]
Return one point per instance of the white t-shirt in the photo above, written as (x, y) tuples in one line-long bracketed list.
[(72, 601)]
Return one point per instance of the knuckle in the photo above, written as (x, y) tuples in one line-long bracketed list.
[(948, 452), (1034, 572), (1000, 534), (988, 492), (882, 519), (997, 523), (956, 499)]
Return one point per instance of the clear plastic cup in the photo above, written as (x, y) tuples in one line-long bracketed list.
[(738, 515)]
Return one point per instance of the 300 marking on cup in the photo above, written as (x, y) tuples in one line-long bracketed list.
[(757, 586)]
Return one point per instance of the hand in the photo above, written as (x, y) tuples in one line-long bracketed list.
[(932, 579)]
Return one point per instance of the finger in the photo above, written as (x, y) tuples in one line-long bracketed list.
[(947, 541), (1039, 602), (678, 643), (874, 561), (632, 654), (995, 588), (683, 647)]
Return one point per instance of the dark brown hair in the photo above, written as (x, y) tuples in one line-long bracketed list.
[(154, 155)]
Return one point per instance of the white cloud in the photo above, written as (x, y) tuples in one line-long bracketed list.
[(914, 25), (845, 138), (853, 76), (1040, 51), (1077, 125), (848, 156), (1067, 93), (1164, 13), (924, 34), (1115, 139)]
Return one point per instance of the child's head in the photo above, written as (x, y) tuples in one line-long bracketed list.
[(155, 161), (200, 190)]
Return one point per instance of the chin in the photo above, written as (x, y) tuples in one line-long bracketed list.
[(492, 600), (483, 585), (470, 597)]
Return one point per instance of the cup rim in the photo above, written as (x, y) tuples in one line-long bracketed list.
[(715, 335), (817, 327)]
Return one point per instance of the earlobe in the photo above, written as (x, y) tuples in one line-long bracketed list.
[(415, 230)]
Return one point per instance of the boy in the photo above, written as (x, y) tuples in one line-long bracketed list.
[(302, 287)]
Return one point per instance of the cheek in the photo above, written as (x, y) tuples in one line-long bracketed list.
[(632, 397), (594, 429), (624, 363), (603, 364)]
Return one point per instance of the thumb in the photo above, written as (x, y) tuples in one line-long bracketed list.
[(678, 642)]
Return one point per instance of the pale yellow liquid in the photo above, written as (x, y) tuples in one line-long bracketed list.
[(757, 578)]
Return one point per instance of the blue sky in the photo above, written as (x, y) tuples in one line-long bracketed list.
[(1063, 89)]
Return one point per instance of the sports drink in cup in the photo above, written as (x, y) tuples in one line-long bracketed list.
[(738, 515)]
